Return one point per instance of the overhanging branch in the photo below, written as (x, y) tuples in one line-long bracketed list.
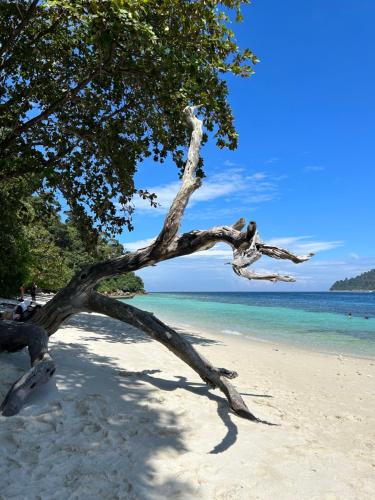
[(148, 323)]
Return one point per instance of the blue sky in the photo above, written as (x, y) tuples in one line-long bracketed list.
[(304, 169)]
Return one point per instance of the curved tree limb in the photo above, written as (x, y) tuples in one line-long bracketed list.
[(152, 326), (190, 183)]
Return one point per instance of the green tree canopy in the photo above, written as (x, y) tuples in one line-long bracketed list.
[(89, 88)]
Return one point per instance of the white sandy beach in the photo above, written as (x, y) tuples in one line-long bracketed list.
[(126, 419)]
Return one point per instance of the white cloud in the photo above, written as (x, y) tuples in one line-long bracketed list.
[(317, 246), (135, 245), (229, 163), (165, 194), (354, 256), (255, 188), (299, 245), (286, 241), (219, 251)]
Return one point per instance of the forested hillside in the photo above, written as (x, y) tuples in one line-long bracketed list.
[(41, 247), (365, 281)]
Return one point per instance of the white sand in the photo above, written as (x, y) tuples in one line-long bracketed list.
[(124, 418)]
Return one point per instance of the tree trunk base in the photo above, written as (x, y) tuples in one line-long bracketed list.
[(13, 337)]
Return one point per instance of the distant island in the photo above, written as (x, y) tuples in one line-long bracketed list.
[(362, 282)]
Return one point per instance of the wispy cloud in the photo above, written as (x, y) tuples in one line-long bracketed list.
[(219, 251), (317, 246), (234, 183), (229, 163), (304, 244), (135, 245), (354, 256), (165, 196)]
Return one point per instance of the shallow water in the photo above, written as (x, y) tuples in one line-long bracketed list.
[(317, 320)]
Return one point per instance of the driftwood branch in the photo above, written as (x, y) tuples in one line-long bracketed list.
[(42, 365), (190, 183), (152, 326), (79, 295)]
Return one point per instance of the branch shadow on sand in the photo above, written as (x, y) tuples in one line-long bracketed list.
[(94, 431), (113, 330), (88, 433), (199, 389)]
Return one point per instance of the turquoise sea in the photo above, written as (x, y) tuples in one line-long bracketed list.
[(315, 320)]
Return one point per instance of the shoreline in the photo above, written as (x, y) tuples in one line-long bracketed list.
[(327, 331), (240, 337), (45, 297)]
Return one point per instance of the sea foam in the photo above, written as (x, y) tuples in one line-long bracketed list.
[(231, 332)]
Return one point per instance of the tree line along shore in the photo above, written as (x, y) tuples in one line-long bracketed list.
[(42, 248), (364, 282)]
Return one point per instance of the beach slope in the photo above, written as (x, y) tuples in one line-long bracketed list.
[(126, 419)]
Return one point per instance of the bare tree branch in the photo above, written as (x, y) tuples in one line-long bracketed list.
[(190, 183), (148, 323), (281, 253)]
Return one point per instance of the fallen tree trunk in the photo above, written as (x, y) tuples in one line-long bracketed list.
[(13, 337), (80, 295)]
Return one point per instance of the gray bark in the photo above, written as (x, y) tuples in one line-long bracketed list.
[(79, 295), (14, 336)]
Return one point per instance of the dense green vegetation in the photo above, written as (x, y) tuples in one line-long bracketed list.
[(127, 283), (90, 88), (42, 248), (15, 255), (365, 281)]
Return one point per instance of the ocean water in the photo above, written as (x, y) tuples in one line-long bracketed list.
[(315, 320)]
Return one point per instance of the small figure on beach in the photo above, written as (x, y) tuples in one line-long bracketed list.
[(350, 315), (34, 286), (20, 310)]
